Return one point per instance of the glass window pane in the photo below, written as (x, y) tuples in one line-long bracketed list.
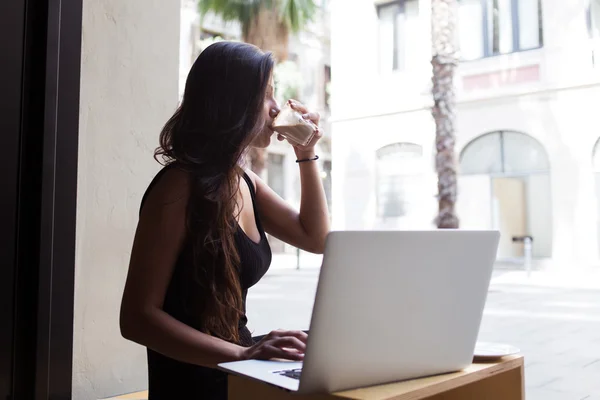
[(327, 182), (399, 168), (482, 156), (409, 49), (400, 44), (387, 15), (500, 29), (529, 24), (596, 156), (522, 153), (595, 18), (470, 17), (275, 174)]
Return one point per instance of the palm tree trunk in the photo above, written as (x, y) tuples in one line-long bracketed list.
[(444, 62), (269, 34)]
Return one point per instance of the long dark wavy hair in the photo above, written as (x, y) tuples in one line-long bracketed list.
[(219, 116)]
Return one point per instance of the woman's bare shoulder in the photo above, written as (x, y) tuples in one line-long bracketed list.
[(255, 179), (172, 188)]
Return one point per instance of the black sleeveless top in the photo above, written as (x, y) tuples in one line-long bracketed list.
[(169, 378)]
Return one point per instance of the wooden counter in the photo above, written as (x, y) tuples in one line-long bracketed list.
[(498, 380)]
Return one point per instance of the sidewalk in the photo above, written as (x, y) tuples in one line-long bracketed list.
[(503, 274), (290, 261), (574, 279)]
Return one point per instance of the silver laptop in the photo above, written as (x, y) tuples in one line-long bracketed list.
[(390, 306)]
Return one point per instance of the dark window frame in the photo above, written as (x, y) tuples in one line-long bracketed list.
[(400, 10), (42, 44), (327, 183), (326, 81), (12, 44), (589, 15), (488, 51)]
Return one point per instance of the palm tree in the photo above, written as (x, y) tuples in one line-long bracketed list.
[(266, 24), (444, 62)]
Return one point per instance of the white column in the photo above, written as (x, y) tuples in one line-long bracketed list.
[(129, 87)]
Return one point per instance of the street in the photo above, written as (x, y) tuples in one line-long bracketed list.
[(555, 323)]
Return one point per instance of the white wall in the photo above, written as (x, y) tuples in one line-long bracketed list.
[(539, 214), (359, 89), (189, 32), (473, 202), (129, 81), (354, 180)]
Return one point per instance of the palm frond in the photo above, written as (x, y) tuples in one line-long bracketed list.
[(243, 11), (296, 14)]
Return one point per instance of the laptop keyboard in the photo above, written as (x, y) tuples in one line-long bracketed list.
[(290, 373)]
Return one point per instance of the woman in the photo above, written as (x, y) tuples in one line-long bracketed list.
[(200, 241)]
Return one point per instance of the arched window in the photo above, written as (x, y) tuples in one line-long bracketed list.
[(398, 173), (505, 179), (503, 152), (596, 157)]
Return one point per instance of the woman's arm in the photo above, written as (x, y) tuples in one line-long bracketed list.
[(158, 241), (313, 215), (308, 228), (305, 229)]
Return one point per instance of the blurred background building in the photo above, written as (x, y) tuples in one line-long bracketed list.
[(528, 96)]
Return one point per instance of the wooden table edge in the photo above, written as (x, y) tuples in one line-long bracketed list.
[(449, 381)]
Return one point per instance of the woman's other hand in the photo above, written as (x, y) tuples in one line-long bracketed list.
[(287, 345)]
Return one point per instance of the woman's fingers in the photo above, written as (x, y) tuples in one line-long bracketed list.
[(314, 117), (312, 142), (297, 334), (289, 345), (290, 342), (276, 352), (296, 105), (316, 138)]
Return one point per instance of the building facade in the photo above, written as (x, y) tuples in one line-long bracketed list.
[(307, 73), (528, 92)]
